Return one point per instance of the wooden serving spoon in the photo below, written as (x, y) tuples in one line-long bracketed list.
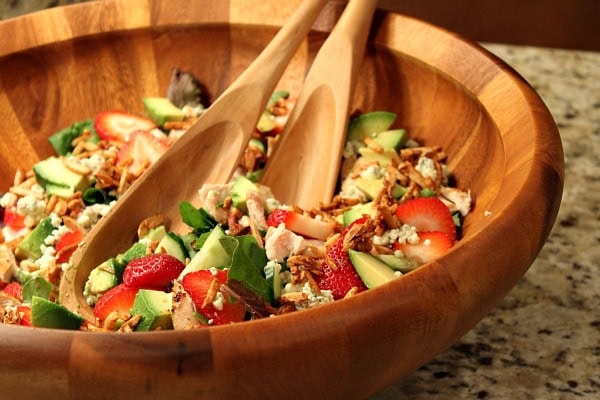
[(304, 167), (208, 152)]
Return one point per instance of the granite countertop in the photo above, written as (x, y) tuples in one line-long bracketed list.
[(543, 339)]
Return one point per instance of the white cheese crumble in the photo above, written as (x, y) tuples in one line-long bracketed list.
[(372, 172), (34, 209), (487, 213), (404, 234), (351, 148), (426, 167), (8, 200), (314, 299), (218, 301)]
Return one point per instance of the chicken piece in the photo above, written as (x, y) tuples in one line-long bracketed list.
[(183, 312), (211, 197), (281, 243), (256, 209), (8, 264), (456, 199)]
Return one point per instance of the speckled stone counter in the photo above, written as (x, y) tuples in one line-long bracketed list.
[(543, 339)]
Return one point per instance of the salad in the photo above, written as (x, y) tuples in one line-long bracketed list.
[(245, 256)]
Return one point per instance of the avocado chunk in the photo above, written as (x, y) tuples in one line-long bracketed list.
[(47, 314), (265, 123), (401, 264), (155, 308), (239, 191), (372, 271), (56, 178), (272, 270), (102, 278), (212, 254), (369, 125), (372, 187), (358, 211), (31, 246), (384, 158), (393, 139), (137, 250), (161, 110)]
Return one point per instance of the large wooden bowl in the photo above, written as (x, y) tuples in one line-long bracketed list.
[(66, 64)]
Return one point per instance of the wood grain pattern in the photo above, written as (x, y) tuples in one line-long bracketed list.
[(500, 138)]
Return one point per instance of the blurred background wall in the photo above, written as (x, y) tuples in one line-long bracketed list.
[(548, 23)]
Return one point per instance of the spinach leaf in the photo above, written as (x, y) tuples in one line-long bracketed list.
[(61, 140), (197, 219), (248, 263)]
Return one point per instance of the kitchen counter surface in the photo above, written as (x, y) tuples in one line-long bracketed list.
[(543, 339)]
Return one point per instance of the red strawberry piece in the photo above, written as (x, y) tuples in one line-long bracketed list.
[(15, 290), (140, 152), (119, 299), (197, 284), (427, 214), (301, 224), (118, 125), (25, 314), (154, 271), (12, 219), (431, 246), (344, 277), (67, 244)]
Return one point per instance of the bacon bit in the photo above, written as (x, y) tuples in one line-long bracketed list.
[(150, 223), (211, 294), (373, 145), (19, 177), (76, 167), (295, 297)]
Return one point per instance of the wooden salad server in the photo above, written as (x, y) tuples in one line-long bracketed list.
[(208, 152), (305, 166)]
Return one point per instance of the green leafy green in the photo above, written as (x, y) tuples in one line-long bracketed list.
[(196, 218), (95, 196), (61, 140), (36, 287), (248, 262)]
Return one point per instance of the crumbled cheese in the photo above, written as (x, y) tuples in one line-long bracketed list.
[(193, 111), (426, 166), (214, 271), (351, 148), (314, 299), (8, 200), (244, 221), (218, 301), (271, 204), (487, 213), (372, 172), (94, 162), (32, 208), (91, 214), (404, 234)]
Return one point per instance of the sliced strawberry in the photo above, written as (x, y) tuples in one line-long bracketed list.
[(25, 314), (197, 284), (344, 277), (140, 152), (427, 214), (119, 299), (118, 125), (67, 244), (154, 271), (301, 224), (15, 290), (431, 246), (12, 219)]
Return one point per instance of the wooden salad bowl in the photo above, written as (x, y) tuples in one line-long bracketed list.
[(66, 64)]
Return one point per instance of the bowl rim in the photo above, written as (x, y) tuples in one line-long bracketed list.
[(540, 176)]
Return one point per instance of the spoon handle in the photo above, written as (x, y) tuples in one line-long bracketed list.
[(315, 133), (245, 99)]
